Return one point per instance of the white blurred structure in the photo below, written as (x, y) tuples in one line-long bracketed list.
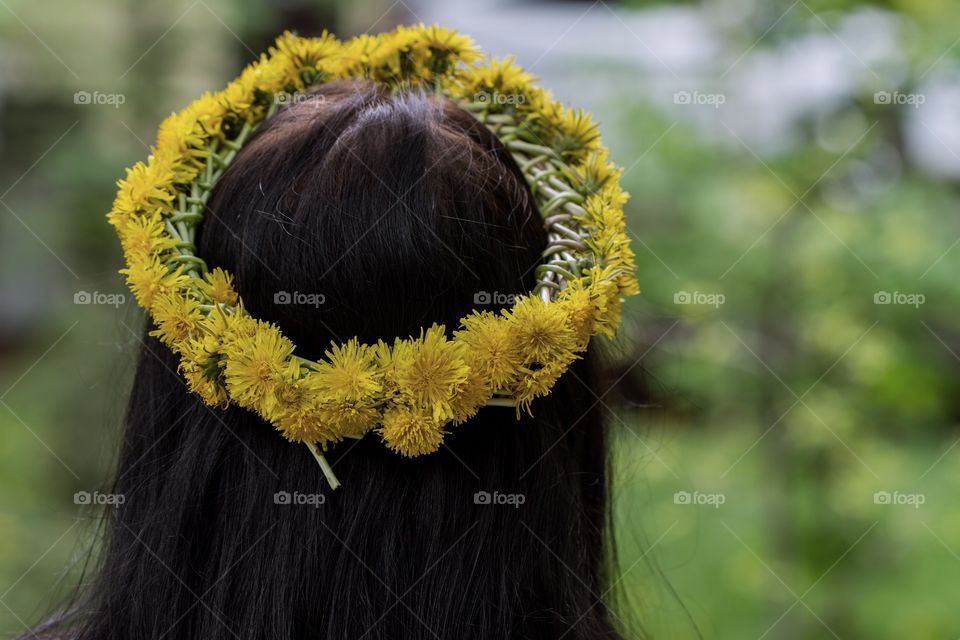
[(680, 58)]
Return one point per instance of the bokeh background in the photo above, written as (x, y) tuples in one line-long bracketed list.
[(786, 466)]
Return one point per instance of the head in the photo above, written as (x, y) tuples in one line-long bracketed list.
[(377, 213)]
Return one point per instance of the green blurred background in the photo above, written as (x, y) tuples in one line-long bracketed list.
[(787, 461)]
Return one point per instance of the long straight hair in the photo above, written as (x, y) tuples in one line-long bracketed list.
[(359, 212)]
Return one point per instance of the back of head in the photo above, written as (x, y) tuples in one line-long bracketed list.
[(359, 212)]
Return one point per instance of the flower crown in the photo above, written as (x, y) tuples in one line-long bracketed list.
[(409, 390)]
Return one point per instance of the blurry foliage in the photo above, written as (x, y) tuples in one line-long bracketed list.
[(799, 397)]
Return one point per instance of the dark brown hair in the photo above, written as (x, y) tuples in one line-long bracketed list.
[(385, 211)]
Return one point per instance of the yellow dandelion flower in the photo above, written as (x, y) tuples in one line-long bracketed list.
[(349, 371), (300, 417), (307, 424), (491, 349), (541, 331), (411, 431), (431, 370), (580, 310), (445, 46), (608, 316), (534, 382), (238, 96), (473, 395), (606, 297), (220, 331), (307, 52), (597, 171), (150, 279), (143, 237), (577, 133), (502, 75), (357, 51), (255, 368), (232, 329), (627, 276), (208, 113), (147, 188), (277, 73), (614, 194), (349, 386), (384, 57), (203, 378), (549, 112), (349, 419), (447, 40), (598, 212), (177, 318), (217, 285), (383, 357), (182, 139)]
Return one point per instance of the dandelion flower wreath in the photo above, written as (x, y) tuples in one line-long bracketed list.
[(410, 390)]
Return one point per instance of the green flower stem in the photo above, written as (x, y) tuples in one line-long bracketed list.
[(527, 165), (552, 249), (566, 231), (528, 147), (560, 200), (557, 269), (501, 118), (324, 465), (576, 245), (172, 230), (306, 362), (501, 402), (548, 284), (190, 260), (186, 216), (559, 203)]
